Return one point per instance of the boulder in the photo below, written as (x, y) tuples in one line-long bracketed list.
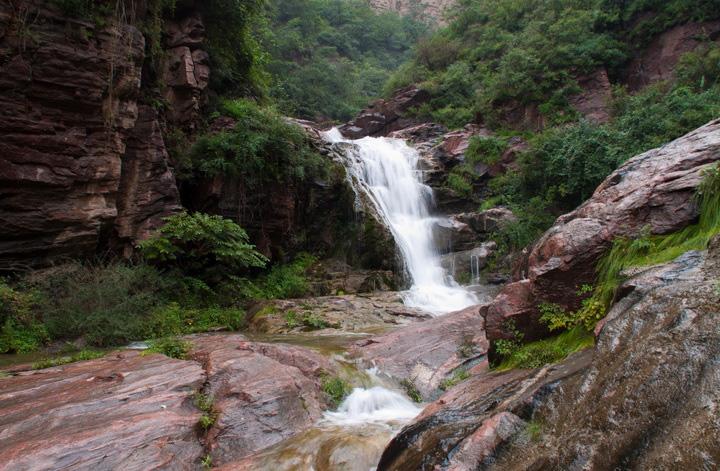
[(384, 116), (468, 263), (428, 352), (465, 231), (650, 192), (263, 393), (123, 411), (466, 426)]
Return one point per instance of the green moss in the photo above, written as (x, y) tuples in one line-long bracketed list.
[(552, 350)]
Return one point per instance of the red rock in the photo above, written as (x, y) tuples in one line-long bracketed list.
[(659, 60), (429, 351), (482, 443), (124, 411), (596, 96), (262, 393), (514, 309), (384, 116)]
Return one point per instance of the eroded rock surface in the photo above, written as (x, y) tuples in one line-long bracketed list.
[(428, 352), (124, 411)]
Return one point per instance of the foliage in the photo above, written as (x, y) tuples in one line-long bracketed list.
[(329, 58), (336, 389), (487, 150), (411, 390), (206, 462), (172, 347), (283, 281), (497, 56), (82, 355), (309, 320), (457, 377), (542, 352), (198, 245), (20, 331), (262, 148), (174, 319), (205, 403)]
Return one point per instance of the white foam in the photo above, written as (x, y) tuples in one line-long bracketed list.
[(373, 405)]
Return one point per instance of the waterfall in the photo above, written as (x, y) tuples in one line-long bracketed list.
[(386, 171), (375, 404)]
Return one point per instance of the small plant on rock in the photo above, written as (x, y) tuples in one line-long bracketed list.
[(457, 377), (171, 347), (411, 390), (336, 389)]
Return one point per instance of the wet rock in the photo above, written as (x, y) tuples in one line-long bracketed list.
[(465, 231), (466, 426), (124, 411), (329, 277), (348, 313), (263, 393), (654, 371), (512, 312), (659, 60), (384, 116), (468, 263), (427, 352)]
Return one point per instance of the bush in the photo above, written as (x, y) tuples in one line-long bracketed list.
[(20, 331), (542, 352), (283, 281), (82, 355), (201, 246), (173, 319), (487, 150), (171, 347)]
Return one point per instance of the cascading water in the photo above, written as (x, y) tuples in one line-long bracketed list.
[(385, 169)]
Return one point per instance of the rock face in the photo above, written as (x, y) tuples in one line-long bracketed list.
[(138, 412), (428, 352), (432, 9), (654, 371), (70, 141), (122, 411), (384, 116), (657, 62), (594, 100)]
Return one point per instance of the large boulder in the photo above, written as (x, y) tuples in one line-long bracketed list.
[(384, 116), (652, 386), (651, 192)]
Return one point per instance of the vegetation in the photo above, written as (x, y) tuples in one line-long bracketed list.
[(542, 352), (171, 347), (336, 389), (206, 404), (329, 58), (308, 320), (411, 390), (283, 281), (82, 355), (457, 377)]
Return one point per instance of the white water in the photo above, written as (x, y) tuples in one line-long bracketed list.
[(386, 170), (373, 405)]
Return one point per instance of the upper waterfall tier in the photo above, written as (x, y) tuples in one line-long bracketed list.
[(385, 170)]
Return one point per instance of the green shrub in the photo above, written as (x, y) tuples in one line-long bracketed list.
[(336, 389), (174, 319), (460, 180), (82, 355), (20, 330), (206, 247), (283, 281), (487, 150), (171, 347)]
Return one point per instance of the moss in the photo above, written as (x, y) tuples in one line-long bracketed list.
[(171, 347), (457, 377), (552, 350), (411, 390)]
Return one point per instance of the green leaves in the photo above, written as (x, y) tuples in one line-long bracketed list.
[(204, 246)]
